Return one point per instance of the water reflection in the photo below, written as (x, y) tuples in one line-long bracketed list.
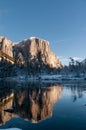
[(36, 104), (29, 102), (77, 91), (6, 102)]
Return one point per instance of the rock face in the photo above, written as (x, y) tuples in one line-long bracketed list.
[(6, 46), (33, 50), (37, 49)]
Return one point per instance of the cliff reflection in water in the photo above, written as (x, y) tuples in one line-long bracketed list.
[(28, 102), (36, 103), (6, 102)]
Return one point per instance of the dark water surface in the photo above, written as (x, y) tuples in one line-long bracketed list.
[(43, 106)]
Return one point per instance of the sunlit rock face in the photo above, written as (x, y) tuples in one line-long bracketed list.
[(36, 104), (37, 49), (6, 102), (33, 50), (6, 46)]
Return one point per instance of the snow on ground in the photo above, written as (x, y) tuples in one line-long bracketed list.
[(50, 77), (46, 78)]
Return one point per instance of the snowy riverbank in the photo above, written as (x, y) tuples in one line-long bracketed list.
[(46, 78)]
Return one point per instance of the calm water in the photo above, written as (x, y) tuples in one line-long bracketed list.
[(40, 106)]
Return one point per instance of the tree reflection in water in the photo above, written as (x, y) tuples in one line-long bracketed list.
[(76, 90)]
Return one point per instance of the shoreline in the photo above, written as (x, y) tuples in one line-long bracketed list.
[(45, 79)]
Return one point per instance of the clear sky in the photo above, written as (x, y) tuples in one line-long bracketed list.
[(61, 22)]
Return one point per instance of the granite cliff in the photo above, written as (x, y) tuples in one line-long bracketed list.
[(37, 49), (6, 46), (35, 53)]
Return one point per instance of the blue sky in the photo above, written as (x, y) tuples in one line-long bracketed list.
[(61, 22)]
